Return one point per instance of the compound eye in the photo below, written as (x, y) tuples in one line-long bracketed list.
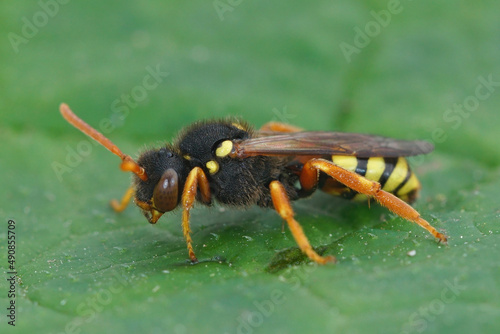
[(166, 192), (223, 148)]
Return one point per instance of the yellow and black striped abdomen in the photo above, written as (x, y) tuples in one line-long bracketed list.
[(393, 174)]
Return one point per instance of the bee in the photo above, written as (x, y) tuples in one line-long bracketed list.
[(229, 162)]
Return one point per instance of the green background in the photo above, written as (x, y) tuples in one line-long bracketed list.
[(84, 269)]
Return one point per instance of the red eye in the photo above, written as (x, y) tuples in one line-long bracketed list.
[(166, 192)]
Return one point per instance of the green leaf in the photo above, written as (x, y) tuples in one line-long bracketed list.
[(84, 269)]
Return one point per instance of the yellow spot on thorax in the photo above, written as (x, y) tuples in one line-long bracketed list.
[(224, 148), (212, 166)]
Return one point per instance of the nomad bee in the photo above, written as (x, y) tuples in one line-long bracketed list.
[(237, 166)]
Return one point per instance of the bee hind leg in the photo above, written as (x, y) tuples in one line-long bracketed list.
[(309, 179)]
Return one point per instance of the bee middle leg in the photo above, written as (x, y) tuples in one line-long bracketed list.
[(284, 209)]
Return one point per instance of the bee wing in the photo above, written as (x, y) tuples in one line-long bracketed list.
[(317, 143)]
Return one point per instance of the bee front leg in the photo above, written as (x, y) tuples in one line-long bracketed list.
[(122, 205), (284, 209), (196, 179)]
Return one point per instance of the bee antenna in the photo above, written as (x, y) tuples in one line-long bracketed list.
[(128, 164)]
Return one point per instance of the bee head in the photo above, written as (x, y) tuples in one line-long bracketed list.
[(162, 191)]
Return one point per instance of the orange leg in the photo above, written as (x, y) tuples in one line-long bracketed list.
[(279, 127), (119, 207), (196, 179), (127, 165), (309, 179), (284, 209)]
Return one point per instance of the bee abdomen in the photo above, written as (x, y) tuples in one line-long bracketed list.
[(393, 174)]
